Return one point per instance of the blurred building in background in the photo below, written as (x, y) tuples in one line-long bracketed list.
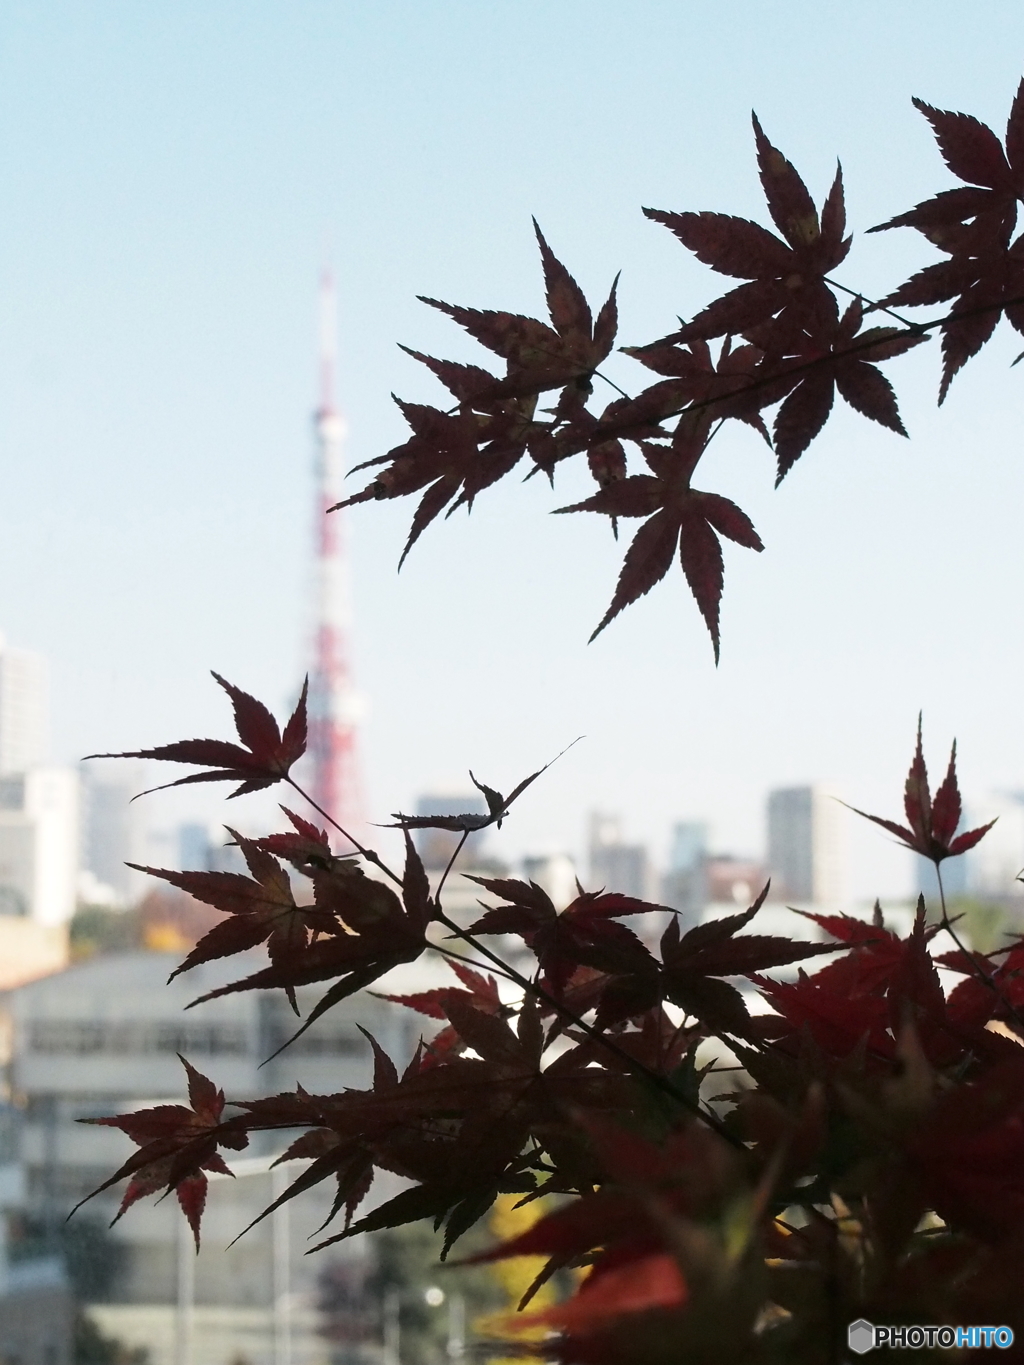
[(554, 873), (734, 881), (684, 886), (207, 848), (39, 844), (24, 709), (614, 864), (805, 846), (437, 846), (102, 1038), (112, 835), (39, 827)]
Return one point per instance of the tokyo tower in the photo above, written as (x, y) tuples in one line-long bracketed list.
[(333, 703)]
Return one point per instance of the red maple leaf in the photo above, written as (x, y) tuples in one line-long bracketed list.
[(869, 966), (933, 825), (974, 226), (826, 353), (629, 1228), (679, 518), (969, 1152), (176, 1146), (693, 963), (453, 456), (373, 931), (260, 908), (537, 356), (308, 848), (991, 991), (836, 1023), (870, 994), (725, 387), (585, 932), (267, 757), (784, 274), (481, 993), (340, 1141), (462, 1127), (497, 806)]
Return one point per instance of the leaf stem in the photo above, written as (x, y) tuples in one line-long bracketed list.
[(873, 306), (458, 957), (367, 853), (613, 384), (451, 864)]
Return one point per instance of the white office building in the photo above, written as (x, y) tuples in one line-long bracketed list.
[(112, 835), (554, 873), (39, 827), (102, 1038), (806, 856), (23, 709), (39, 845), (614, 864)]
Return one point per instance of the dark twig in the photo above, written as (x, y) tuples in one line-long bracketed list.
[(534, 988), (873, 305), (367, 853)]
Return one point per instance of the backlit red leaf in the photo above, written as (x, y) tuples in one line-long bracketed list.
[(266, 759), (931, 827)]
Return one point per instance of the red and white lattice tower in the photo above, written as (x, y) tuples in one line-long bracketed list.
[(333, 703)]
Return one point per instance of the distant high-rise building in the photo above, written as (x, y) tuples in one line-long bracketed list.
[(614, 864), (684, 886), (194, 847), (805, 853), (554, 873), (39, 828), (23, 709), (112, 835), (689, 845), (208, 848), (436, 847), (39, 843)]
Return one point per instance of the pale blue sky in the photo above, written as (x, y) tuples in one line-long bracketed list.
[(171, 176)]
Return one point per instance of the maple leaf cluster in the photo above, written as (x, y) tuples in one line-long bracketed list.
[(731, 1183), (786, 344)]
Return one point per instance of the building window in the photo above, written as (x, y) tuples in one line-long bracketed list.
[(91, 1038)]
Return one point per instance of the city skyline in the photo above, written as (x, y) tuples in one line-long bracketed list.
[(157, 354), (804, 843)]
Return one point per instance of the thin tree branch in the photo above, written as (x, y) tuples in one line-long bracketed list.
[(367, 853), (534, 988)]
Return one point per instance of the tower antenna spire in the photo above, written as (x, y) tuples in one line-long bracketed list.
[(333, 703), (328, 340)]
